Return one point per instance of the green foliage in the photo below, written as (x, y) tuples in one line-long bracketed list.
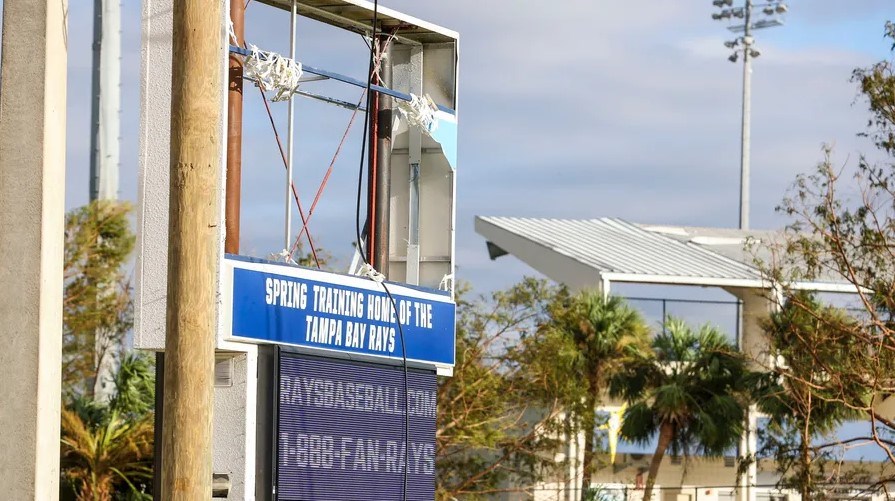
[(804, 338), (97, 300), (591, 338), (876, 84), (107, 448), (134, 395), (690, 390), (846, 363), (495, 416)]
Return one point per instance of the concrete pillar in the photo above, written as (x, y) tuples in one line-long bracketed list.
[(756, 309), (32, 193), (754, 344)]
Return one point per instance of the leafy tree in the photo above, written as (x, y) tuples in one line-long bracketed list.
[(835, 237), (496, 416), (599, 336), (793, 393), (107, 446), (97, 308), (689, 391)]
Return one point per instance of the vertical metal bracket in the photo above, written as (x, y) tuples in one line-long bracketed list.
[(415, 154)]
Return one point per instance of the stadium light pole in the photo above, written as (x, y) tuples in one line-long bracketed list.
[(745, 45)]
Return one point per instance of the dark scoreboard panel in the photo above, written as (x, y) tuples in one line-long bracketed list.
[(340, 431)]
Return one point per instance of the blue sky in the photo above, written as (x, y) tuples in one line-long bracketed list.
[(584, 109)]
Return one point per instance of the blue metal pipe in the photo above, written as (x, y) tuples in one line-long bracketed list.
[(345, 79)]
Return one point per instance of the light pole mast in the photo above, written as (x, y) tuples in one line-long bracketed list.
[(104, 155), (106, 100), (745, 136), (746, 45)]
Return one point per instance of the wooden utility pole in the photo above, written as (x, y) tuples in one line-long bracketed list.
[(32, 209), (194, 215)]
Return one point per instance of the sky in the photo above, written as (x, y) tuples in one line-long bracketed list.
[(584, 109)]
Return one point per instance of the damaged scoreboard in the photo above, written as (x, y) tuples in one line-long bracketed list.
[(343, 415), (351, 399), (310, 401)]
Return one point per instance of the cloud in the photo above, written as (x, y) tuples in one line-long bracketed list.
[(577, 109)]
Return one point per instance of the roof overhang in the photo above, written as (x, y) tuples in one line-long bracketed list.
[(593, 253), (357, 16)]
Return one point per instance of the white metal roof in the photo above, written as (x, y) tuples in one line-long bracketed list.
[(356, 15), (587, 252)]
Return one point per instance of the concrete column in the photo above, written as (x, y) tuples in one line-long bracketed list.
[(756, 309), (754, 344), (32, 193)]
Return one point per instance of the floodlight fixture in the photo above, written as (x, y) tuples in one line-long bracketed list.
[(767, 23), (733, 57), (769, 10), (782, 8), (722, 3), (754, 52), (731, 43), (764, 23)]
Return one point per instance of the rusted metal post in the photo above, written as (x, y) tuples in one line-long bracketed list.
[(234, 134), (380, 159)]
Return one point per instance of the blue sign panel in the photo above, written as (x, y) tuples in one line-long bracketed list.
[(314, 309), (341, 431)]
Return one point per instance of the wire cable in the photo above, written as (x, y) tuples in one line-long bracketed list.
[(373, 67), (326, 176), (276, 135)]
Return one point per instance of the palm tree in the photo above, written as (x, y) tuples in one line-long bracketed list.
[(689, 392), (604, 333), (107, 447), (102, 455)]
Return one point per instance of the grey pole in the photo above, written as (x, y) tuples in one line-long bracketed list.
[(104, 139), (747, 111), (104, 152), (747, 443), (290, 139)]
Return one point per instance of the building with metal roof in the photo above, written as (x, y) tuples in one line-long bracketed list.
[(594, 253)]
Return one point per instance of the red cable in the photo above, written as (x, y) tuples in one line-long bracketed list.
[(329, 171), (301, 211)]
